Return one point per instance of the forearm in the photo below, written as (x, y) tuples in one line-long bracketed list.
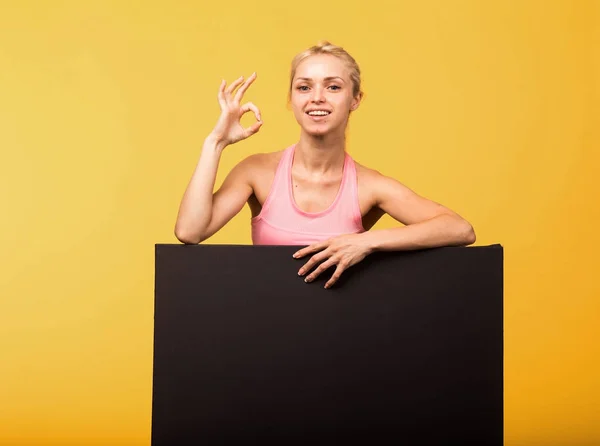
[(443, 230), (195, 211)]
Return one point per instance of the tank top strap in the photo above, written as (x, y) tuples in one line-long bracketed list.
[(279, 188), (349, 196)]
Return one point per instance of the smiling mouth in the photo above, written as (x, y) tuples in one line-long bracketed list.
[(318, 113)]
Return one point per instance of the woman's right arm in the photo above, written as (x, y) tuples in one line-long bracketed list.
[(202, 213)]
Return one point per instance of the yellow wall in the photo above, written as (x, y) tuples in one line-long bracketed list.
[(488, 107)]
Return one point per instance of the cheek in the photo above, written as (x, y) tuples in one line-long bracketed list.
[(296, 104), (298, 113), (342, 102)]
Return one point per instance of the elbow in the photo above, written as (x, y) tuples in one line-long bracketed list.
[(468, 236), (462, 232), (187, 237)]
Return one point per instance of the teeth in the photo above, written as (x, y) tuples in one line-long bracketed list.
[(318, 113)]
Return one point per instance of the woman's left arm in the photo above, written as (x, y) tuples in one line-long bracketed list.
[(427, 224)]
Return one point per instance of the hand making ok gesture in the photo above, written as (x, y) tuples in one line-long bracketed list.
[(228, 129)]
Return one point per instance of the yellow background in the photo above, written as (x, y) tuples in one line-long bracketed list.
[(491, 108)]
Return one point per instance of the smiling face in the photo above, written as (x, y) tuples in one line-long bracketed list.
[(322, 94)]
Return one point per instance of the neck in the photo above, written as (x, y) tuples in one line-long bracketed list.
[(321, 154)]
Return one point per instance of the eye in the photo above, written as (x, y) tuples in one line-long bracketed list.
[(302, 88), (335, 87)]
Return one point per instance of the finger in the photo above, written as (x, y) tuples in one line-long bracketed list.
[(336, 275), (313, 261), (244, 87), (250, 106), (234, 85), (253, 128), (316, 247), (322, 267), (221, 94)]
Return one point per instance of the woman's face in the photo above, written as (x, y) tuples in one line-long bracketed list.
[(321, 95)]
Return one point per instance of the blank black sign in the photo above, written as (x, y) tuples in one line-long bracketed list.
[(406, 350)]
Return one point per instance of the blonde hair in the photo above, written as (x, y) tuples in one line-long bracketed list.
[(325, 47)]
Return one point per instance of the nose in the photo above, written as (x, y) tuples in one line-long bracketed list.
[(317, 94)]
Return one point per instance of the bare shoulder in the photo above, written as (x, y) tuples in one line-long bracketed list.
[(376, 183), (260, 164), (259, 170), (258, 161), (366, 173), (369, 181), (257, 164)]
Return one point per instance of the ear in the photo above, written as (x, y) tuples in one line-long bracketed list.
[(356, 101)]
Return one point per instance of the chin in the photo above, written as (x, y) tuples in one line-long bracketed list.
[(318, 133), (322, 130), (317, 130)]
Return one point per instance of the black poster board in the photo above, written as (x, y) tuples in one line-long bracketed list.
[(406, 350)]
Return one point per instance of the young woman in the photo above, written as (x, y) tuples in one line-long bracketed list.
[(312, 193)]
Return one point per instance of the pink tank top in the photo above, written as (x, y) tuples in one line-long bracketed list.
[(281, 222)]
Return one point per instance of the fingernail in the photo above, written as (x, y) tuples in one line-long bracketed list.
[(300, 272), (307, 280)]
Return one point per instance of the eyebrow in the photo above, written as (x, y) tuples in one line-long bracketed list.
[(330, 78)]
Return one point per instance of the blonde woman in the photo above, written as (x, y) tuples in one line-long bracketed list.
[(311, 194)]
